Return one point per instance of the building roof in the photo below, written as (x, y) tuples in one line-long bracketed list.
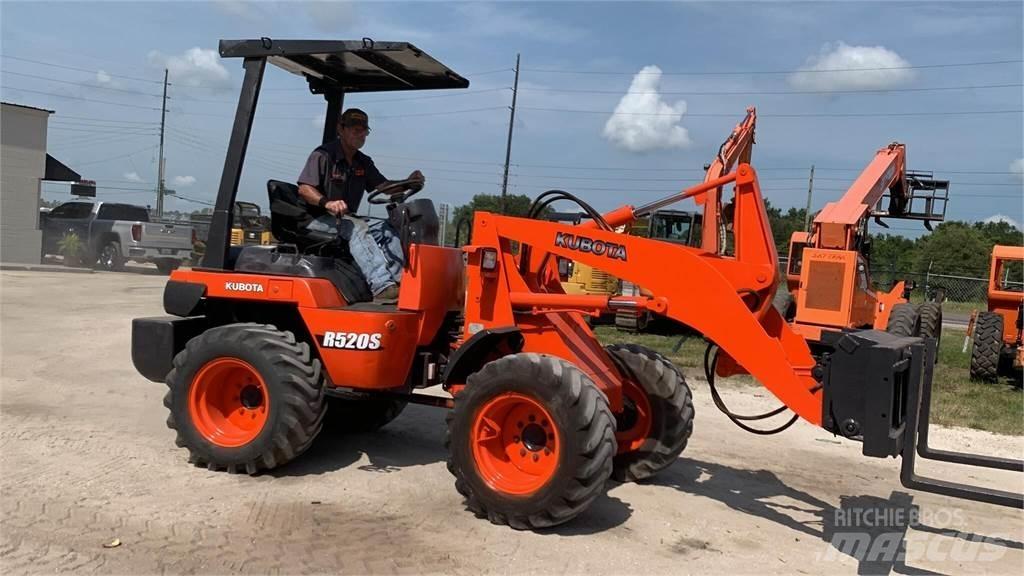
[(29, 107)]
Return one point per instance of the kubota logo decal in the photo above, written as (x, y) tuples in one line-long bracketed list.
[(243, 287), (351, 340), (596, 247)]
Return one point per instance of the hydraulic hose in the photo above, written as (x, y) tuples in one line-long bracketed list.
[(710, 361)]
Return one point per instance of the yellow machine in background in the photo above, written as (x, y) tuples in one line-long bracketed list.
[(250, 227), (580, 278), (676, 226)]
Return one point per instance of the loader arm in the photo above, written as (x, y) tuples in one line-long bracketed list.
[(727, 300), (736, 148)]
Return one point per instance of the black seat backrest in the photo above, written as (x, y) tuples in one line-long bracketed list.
[(415, 221), (288, 218)]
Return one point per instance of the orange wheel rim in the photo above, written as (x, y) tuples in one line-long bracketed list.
[(516, 445), (635, 420), (228, 402)]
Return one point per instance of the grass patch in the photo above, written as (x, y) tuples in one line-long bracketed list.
[(957, 401)]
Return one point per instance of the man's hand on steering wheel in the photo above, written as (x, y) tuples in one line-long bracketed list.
[(397, 191)]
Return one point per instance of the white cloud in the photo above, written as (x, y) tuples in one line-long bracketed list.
[(132, 176), (859, 67), (105, 79), (642, 121), (184, 181), (195, 67), (1017, 167), (318, 121), (1002, 218)]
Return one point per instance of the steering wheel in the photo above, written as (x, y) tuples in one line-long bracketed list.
[(395, 192)]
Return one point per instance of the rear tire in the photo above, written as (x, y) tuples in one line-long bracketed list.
[(903, 320), (110, 257), (784, 303), (988, 345), (931, 323), (245, 398), (658, 417), (355, 415), (165, 267), (531, 441)]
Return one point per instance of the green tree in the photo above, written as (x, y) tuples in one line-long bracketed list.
[(953, 248), (517, 205), (784, 224)]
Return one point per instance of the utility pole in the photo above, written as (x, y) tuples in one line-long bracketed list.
[(160, 168), (810, 191), (442, 210), (508, 147)]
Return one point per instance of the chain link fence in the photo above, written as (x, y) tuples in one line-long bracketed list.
[(965, 291)]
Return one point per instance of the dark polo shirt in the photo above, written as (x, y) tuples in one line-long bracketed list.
[(329, 172)]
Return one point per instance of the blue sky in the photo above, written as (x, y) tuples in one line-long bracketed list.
[(579, 59)]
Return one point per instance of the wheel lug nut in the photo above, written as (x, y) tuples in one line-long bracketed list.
[(519, 424), (544, 423), (532, 418), (536, 457), (547, 451), (515, 439), (522, 451)]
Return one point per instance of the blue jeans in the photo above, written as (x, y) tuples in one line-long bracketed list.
[(374, 245)]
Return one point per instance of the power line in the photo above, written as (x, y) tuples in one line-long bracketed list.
[(774, 92), (376, 117), (41, 63), (136, 92), (79, 98), (94, 130), (757, 72), (658, 169), (95, 119), (783, 115), (374, 101), (116, 157)]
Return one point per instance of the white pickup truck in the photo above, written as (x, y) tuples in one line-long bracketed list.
[(113, 233)]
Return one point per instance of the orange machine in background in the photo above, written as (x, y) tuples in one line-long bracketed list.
[(997, 332), (828, 271)]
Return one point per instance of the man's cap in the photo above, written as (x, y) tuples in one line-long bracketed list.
[(355, 117)]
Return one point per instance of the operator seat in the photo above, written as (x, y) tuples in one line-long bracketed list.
[(288, 220)]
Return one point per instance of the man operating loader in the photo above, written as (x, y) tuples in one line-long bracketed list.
[(332, 184)]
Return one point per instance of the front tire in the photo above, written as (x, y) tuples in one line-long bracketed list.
[(531, 440), (930, 314), (988, 346), (903, 320), (658, 417), (245, 397)]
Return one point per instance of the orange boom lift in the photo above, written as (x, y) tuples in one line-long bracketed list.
[(829, 272)]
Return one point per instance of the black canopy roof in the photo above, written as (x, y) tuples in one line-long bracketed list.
[(350, 65)]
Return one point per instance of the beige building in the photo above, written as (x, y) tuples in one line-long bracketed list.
[(24, 164)]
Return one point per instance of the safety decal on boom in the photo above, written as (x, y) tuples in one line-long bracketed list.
[(351, 340)]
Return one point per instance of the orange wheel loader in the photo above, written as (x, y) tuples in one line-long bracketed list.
[(541, 415)]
